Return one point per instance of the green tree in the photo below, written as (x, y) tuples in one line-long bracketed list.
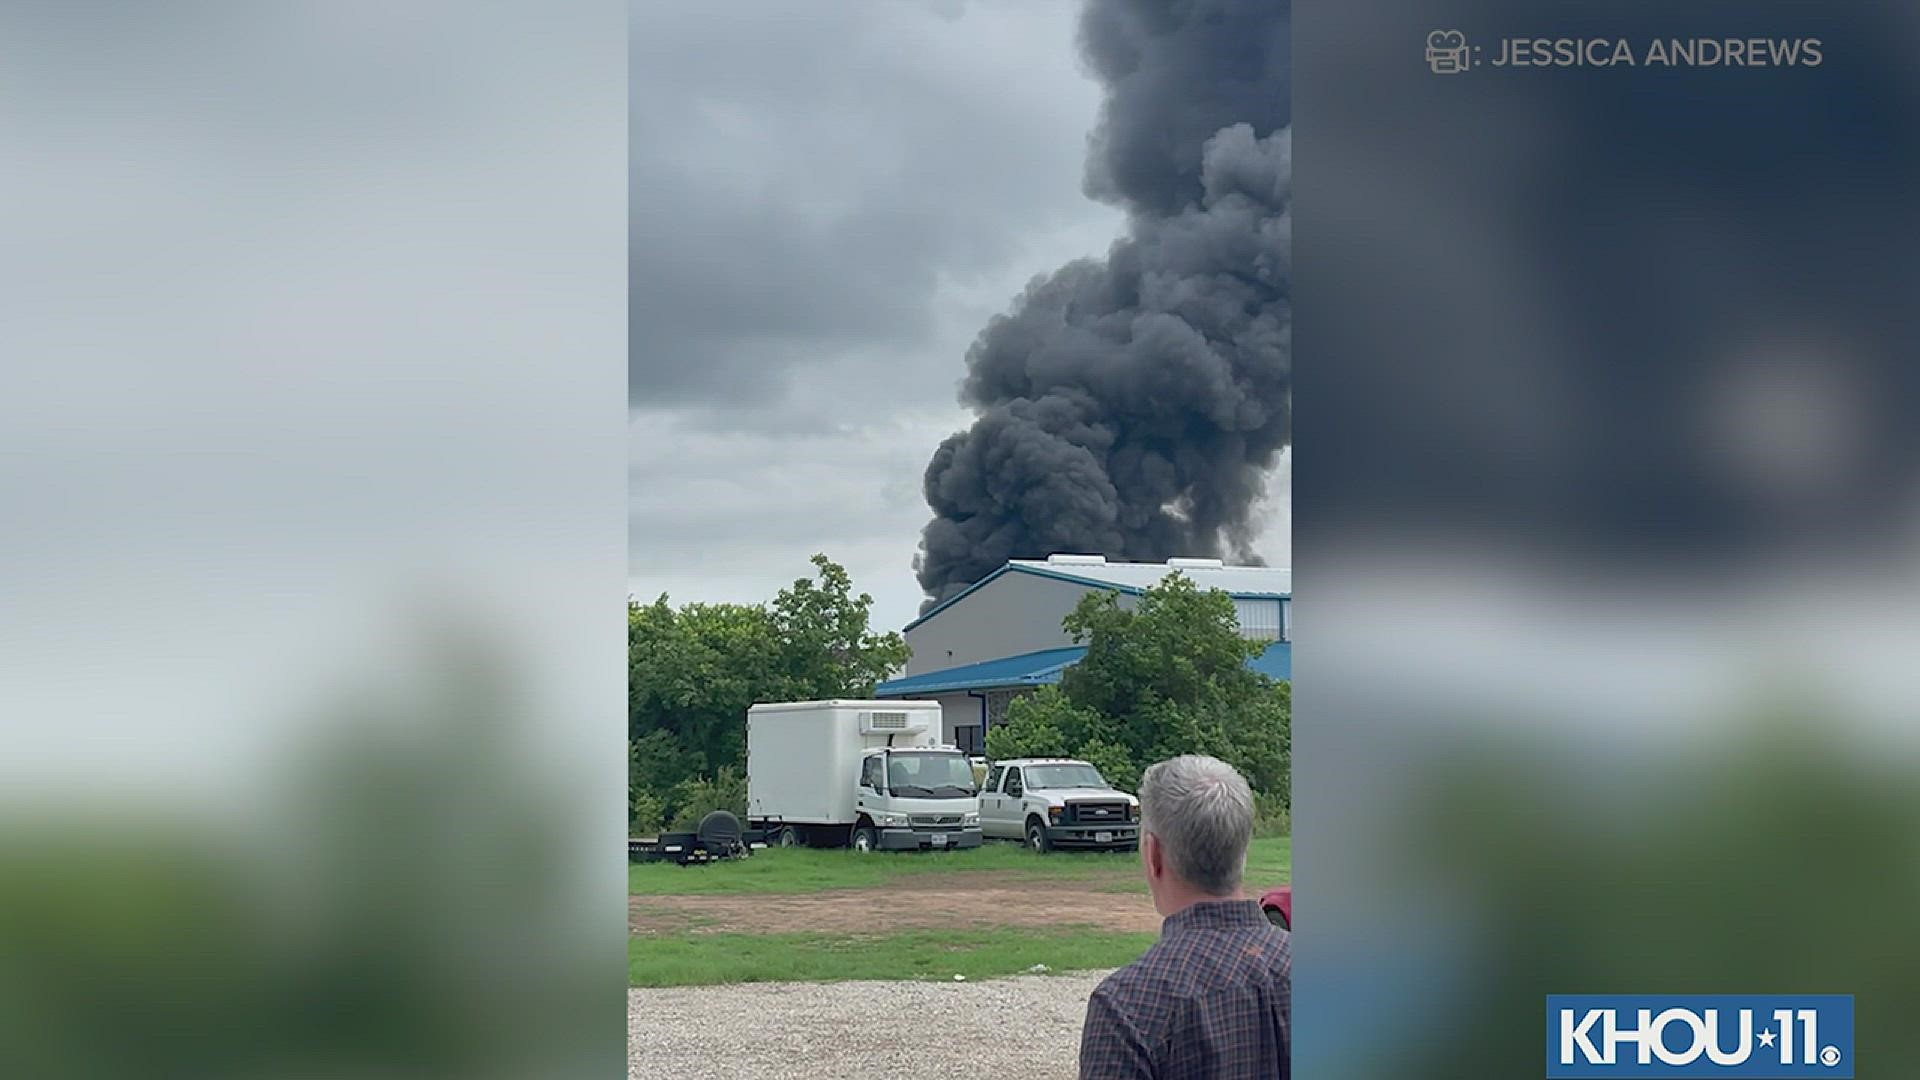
[(692, 673), (1167, 676), (827, 647), (694, 670), (1037, 725), (655, 763)]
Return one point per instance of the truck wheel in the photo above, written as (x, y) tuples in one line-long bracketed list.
[(1037, 837), (789, 837), (864, 839)]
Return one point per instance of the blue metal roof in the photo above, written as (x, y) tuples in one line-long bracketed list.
[(1027, 669), (1039, 669), (1276, 662)]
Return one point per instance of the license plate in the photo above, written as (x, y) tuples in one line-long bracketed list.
[(939, 839), (1103, 838)]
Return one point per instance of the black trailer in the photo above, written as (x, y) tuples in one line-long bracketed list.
[(718, 837)]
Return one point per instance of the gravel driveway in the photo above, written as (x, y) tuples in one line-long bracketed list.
[(1026, 1026)]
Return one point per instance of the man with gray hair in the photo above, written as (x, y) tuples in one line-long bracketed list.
[(1213, 998)]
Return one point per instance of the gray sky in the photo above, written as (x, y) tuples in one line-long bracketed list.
[(828, 202)]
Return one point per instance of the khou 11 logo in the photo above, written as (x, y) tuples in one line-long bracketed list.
[(1733, 1035)]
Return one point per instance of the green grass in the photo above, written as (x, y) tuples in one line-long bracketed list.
[(705, 959), (790, 870), (1269, 863), (801, 870)]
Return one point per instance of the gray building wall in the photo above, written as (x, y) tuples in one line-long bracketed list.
[(1012, 614), (960, 709), (957, 710), (1262, 619)]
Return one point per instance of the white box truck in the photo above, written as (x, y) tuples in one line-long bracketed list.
[(870, 774)]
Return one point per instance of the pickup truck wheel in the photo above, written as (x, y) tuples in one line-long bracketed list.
[(864, 839), (1037, 837)]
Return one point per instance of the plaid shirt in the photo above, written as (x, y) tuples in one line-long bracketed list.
[(1212, 1000)]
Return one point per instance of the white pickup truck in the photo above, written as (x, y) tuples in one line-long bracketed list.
[(1057, 802)]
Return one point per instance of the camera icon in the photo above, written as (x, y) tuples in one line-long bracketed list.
[(1447, 52)]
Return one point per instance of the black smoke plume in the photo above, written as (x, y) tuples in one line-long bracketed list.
[(1133, 406)]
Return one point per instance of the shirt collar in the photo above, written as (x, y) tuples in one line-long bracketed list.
[(1215, 915)]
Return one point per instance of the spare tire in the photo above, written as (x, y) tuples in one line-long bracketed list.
[(720, 829)]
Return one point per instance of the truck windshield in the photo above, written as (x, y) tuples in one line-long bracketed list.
[(1064, 776), (931, 775)]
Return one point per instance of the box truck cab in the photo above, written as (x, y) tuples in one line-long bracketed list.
[(867, 774)]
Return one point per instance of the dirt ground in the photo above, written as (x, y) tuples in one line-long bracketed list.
[(945, 901)]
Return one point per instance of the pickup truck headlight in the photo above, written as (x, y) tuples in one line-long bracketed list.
[(889, 820), (1053, 814), (1133, 812), (969, 819)]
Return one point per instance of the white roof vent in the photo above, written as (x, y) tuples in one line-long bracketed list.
[(1077, 560), (1198, 564)]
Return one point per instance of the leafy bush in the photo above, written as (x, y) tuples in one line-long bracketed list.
[(1113, 762), (1036, 726), (657, 761), (1271, 816), (644, 811), (691, 800)]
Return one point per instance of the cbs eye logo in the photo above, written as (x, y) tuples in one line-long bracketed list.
[(1447, 52)]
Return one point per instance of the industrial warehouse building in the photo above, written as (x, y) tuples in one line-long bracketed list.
[(1002, 637)]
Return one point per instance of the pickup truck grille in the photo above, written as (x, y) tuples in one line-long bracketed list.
[(935, 821), (1096, 813)]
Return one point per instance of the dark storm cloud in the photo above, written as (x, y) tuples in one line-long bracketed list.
[(807, 178), (827, 201), (1135, 405), (725, 299)]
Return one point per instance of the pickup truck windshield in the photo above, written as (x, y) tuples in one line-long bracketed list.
[(1064, 776), (930, 775)]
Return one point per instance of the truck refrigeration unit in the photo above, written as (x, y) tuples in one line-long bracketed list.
[(869, 774)]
